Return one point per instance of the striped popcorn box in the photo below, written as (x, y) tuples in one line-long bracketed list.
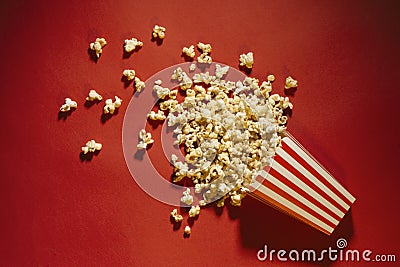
[(298, 185)]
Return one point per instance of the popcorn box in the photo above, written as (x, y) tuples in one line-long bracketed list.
[(298, 185)]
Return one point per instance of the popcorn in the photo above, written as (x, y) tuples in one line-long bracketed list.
[(194, 211), (177, 217), (91, 146), (247, 60), (93, 95), (131, 44), (189, 51), (290, 83), (187, 198), (159, 32), (145, 139), (204, 58), (156, 116), (139, 85), (271, 78), (192, 67), (220, 71), (110, 107), (187, 230), (161, 92), (98, 45), (69, 103), (129, 74), (205, 48)]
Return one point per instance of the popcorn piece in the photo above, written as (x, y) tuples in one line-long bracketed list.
[(202, 203), (156, 116), (194, 211), (220, 71), (187, 230), (93, 95), (247, 60), (110, 107), (192, 67), (271, 78), (187, 198), (98, 45), (91, 146), (204, 58), (139, 85), (161, 92), (204, 48), (145, 139), (290, 83), (68, 105), (189, 51), (159, 32), (129, 74), (177, 217), (131, 44)]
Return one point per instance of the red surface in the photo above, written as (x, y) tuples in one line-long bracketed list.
[(59, 211)]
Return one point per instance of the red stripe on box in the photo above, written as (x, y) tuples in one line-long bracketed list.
[(295, 201), (303, 193), (313, 186), (304, 163)]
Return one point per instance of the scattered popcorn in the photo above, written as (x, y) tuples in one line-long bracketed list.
[(129, 74), (110, 107), (187, 230), (161, 92), (177, 217), (159, 32), (271, 78), (91, 146), (68, 105), (131, 44), (139, 85), (247, 60), (93, 95), (187, 198), (98, 45), (204, 48), (189, 51), (220, 71), (156, 116), (192, 67), (194, 211), (290, 83), (145, 139)]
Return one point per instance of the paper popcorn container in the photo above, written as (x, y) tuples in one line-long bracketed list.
[(298, 185)]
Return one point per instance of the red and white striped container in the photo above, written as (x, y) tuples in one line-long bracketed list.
[(299, 186)]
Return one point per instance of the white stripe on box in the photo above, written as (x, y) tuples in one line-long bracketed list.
[(291, 177), (301, 199), (288, 204), (318, 168), (282, 153)]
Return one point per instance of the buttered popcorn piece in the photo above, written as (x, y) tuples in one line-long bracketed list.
[(139, 85), (93, 95), (91, 146), (129, 74), (204, 48), (177, 217), (187, 198), (194, 211), (271, 78), (131, 44), (290, 83), (189, 51), (204, 58), (247, 60), (69, 103), (159, 32), (98, 45), (110, 106), (161, 92), (187, 230), (156, 116), (192, 67), (145, 139)]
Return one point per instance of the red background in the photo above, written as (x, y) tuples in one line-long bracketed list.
[(59, 211)]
